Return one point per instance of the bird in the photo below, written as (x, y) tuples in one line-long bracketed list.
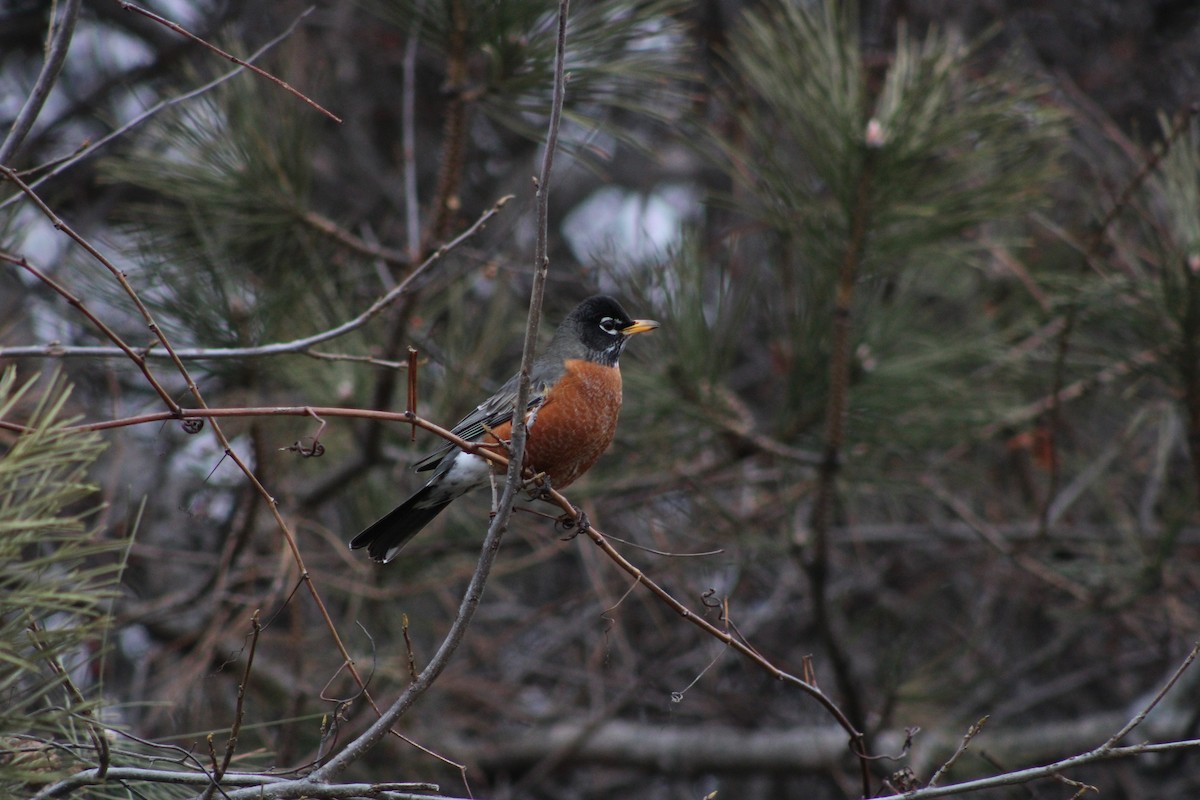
[(571, 417)]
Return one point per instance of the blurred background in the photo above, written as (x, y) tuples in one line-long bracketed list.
[(928, 382)]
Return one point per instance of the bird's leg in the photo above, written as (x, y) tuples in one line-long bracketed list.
[(573, 523), (538, 486), (316, 451)]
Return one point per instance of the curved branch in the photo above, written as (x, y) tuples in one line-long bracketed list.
[(270, 786), (60, 42), (230, 57)]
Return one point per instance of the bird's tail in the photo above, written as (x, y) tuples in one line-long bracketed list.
[(384, 538)]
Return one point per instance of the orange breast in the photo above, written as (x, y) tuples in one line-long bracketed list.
[(574, 425)]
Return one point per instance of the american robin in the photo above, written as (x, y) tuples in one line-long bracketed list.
[(575, 396)]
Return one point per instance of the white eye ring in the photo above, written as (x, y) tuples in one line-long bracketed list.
[(609, 326)]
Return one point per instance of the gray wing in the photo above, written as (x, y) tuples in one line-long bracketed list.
[(491, 413)]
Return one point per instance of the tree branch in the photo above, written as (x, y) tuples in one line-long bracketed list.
[(230, 57), (56, 54), (90, 147)]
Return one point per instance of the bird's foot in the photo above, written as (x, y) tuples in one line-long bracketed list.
[(539, 487), (572, 524)]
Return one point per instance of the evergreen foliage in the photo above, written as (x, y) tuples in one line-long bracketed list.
[(625, 64), (57, 584)]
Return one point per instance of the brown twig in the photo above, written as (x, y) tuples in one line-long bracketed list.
[(89, 147), (411, 408), (1178, 127), (971, 733), (138, 358), (130, 292), (454, 130), (1073, 391), (239, 711), (95, 731), (1140, 717), (734, 642), (230, 57), (356, 243), (408, 648)]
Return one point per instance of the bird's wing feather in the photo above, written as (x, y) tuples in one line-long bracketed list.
[(491, 413)]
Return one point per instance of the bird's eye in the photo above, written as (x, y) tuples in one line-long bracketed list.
[(609, 325)]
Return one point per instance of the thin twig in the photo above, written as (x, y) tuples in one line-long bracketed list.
[(356, 243), (1020, 776), (599, 538), (239, 711), (971, 733), (299, 346), (121, 346), (408, 137), (1001, 545), (276, 411), (95, 731), (1182, 120), (1072, 391), (130, 292), (56, 54), (230, 57), (1141, 715), (90, 147)]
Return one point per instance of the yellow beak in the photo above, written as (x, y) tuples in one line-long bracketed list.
[(640, 326)]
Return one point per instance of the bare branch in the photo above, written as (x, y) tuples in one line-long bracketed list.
[(56, 54), (267, 786), (230, 57), (1140, 717), (971, 733)]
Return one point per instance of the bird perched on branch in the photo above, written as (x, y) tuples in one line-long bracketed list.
[(575, 396)]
